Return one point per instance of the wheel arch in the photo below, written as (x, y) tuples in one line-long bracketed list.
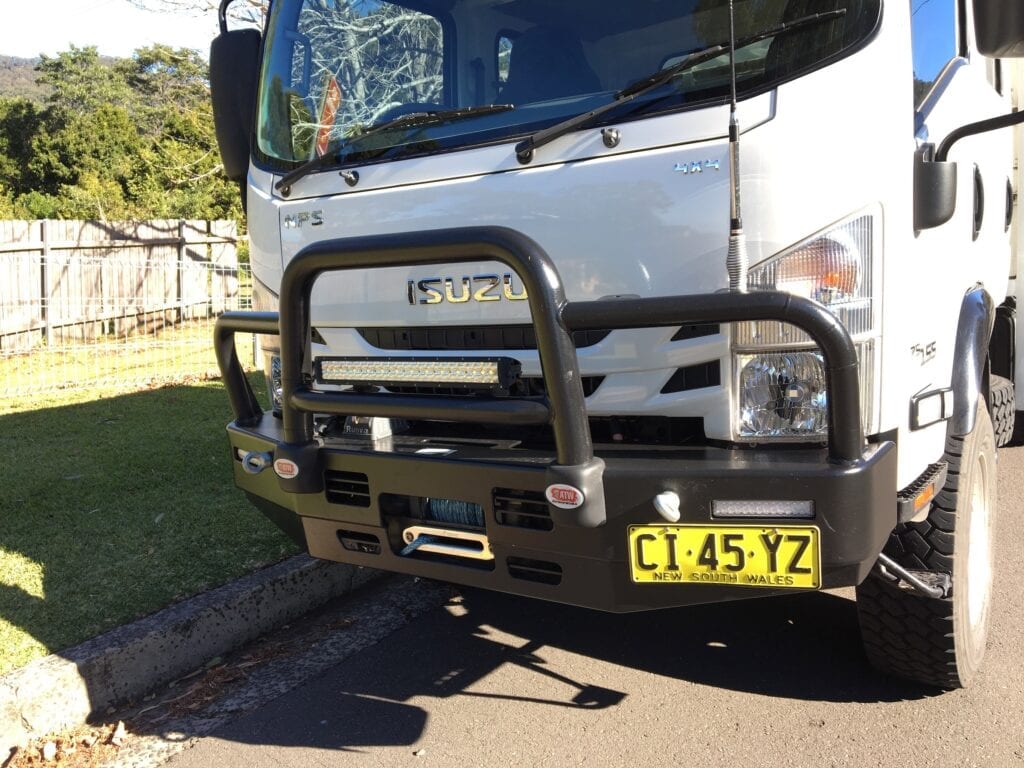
[(970, 358)]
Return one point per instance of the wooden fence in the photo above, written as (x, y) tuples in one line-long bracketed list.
[(75, 281)]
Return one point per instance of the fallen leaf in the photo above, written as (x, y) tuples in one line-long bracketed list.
[(119, 735)]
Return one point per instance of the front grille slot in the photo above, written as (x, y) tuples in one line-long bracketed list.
[(532, 386), (358, 541), (694, 377), (349, 488), (539, 571), (466, 337), (696, 331), (522, 509)]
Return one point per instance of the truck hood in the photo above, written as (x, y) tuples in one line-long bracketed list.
[(647, 217)]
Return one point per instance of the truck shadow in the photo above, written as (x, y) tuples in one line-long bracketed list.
[(800, 648), (803, 647)]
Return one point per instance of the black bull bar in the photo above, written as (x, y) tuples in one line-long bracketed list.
[(554, 319)]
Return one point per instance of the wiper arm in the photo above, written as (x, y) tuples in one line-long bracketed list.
[(411, 120), (525, 148)]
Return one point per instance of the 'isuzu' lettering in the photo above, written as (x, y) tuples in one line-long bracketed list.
[(479, 288)]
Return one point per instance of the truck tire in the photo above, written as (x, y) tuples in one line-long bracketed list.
[(1004, 410), (940, 641)]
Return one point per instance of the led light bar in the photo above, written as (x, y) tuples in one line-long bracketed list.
[(493, 373), (762, 508)]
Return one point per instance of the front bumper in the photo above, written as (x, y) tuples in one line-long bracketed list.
[(576, 555)]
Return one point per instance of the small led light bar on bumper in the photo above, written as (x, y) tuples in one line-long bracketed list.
[(554, 523)]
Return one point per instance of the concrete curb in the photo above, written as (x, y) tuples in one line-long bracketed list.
[(124, 664)]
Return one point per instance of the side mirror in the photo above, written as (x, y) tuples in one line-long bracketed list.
[(999, 28), (234, 72), (934, 189)]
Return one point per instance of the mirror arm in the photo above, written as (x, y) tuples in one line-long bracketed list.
[(222, 15), (972, 129)]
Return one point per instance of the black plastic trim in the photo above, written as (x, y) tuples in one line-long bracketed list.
[(1002, 348), (934, 189), (978, 218), (946, 395), (970, 357), (696, 331), (465, 337), (694, 377)]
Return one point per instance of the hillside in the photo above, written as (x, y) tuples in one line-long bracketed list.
[(18, 78)]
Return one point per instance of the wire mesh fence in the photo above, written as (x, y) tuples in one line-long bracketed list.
[(114, 306)]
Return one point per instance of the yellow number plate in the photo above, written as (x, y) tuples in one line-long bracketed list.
[(743, 556)]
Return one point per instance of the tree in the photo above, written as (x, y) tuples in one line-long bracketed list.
[(250, 12), (125, 138), (81, 80), (180, 171), (20, 120)]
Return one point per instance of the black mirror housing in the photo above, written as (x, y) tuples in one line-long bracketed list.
[(999, 28), (934, 189), (234, 70)]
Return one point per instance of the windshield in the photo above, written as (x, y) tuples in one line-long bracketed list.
[(335, 69)]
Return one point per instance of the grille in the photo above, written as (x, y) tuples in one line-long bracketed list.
[(540, 571), (694, 377), (462, 337), (522, 509), (696, 331), (527, 387), (349, 488), (357, 541)]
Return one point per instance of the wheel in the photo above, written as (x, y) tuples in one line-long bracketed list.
[(940, 641), (1004, 410)]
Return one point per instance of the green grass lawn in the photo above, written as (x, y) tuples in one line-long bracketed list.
[(112, 507)]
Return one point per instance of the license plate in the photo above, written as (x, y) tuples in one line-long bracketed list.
[(743, 556)]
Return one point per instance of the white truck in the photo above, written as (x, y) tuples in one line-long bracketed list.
[(636, 305)]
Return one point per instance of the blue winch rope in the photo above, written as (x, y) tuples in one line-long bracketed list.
[(453, 511), (416, 543)]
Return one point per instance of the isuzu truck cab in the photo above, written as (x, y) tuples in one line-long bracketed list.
[(636, 305)]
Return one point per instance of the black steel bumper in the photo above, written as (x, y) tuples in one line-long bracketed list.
[(578, 555)]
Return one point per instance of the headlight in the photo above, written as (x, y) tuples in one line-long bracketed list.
[(272, 371), (782, 395), (779, 374)]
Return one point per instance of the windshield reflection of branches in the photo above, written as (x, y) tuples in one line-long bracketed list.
[(382, 57)]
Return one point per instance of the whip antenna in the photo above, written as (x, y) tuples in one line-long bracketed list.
[(736, 260)]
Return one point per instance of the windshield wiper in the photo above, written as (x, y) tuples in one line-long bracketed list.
[(525, 148), (412, 120)]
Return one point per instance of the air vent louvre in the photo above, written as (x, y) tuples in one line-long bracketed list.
[(349, 488), (532, 386), (696, 331), (467, 337), (539, 571), (694, 377), (522, 509)]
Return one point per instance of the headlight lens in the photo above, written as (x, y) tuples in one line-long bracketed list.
[(780, 377), (782, 395), (272, 371)]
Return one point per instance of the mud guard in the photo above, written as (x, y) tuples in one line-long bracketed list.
[(970, 358)]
